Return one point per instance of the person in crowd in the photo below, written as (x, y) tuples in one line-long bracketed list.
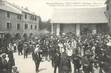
[(76, 60), (85, 64), (20, 48), (52, 53), (91, 63), (65, 63), (15, 47), (25, 48), (0, 64), (36, 58), (11, 61), (4, 64), (56, 62)]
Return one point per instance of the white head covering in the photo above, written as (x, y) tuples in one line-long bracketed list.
[(36, 49)]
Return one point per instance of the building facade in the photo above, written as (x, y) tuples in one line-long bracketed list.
[(79, 20), (14, 20), (108, 12), (30, 23)]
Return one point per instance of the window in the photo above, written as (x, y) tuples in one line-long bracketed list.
[(30, 17), (19, 17), (9, 25), (35, 27), (8, 14), (31, 27), (109, 20), (18, 26), (35, 18), (25, 16), (26, 26)]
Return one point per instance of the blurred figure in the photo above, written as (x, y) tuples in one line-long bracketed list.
[(25, 48), (0, 64), (4, 64), (36, 58), (85, 64), (56, 62), (76, 60), (20, 48), (14, 69), (15, 47), (65, 64), (11, 61)]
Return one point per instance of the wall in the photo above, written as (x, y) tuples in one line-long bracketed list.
[(30, 22), (103, 28), (13, 20)]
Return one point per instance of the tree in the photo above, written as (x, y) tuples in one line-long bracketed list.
[(8, 36), (25, 37), (45, 25), (17, 36)]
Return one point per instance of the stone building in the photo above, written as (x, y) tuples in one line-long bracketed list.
[(30, 22), (15, 20)]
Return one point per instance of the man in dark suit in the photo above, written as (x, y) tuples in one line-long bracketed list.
[(77, 63), (65, 63), (56, 61), (20, 48), (37, 59)]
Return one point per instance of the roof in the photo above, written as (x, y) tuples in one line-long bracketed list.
[(79, 15), (76, 3), (23, 9), (27, 11), (4, 5), (7, 7)]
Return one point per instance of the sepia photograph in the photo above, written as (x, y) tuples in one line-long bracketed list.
[(55, 36)]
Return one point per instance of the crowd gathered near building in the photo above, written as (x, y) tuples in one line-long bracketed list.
[(82, 40), (87, 52)]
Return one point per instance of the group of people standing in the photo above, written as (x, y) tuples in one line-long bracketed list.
[(68, 53), (7, 61), (87, 52)]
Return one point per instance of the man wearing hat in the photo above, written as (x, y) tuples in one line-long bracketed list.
[(36, 57)]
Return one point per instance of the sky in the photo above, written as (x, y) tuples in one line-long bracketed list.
[(41, 8)]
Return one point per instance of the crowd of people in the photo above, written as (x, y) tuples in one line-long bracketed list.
[(7, 61), (86, 52)]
